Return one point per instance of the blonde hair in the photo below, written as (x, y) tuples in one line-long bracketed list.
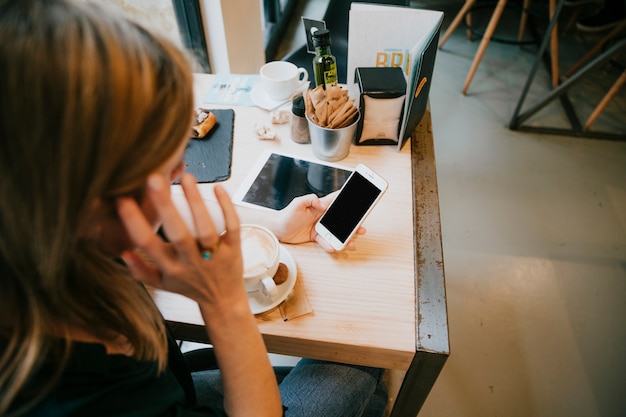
[(91, 104)]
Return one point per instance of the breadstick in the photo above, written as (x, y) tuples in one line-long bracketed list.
[(331, 109), (340, 111), (308, 104), (337, 104), (333, 93), (344, 120), (327, 115), (320, 113), (317, 95)]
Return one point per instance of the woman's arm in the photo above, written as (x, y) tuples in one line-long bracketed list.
[(216, 284)]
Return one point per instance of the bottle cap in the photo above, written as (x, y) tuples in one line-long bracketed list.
[(321, 37), (297, 106)]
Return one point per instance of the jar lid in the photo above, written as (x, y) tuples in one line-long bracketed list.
[(321, 37), (297, 106)]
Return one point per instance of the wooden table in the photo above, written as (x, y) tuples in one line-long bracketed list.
[(382, 305)]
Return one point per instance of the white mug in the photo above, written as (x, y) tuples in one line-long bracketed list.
[(281, 79), (261, 256)]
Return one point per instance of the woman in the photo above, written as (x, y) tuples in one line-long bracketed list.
[(94, 118)]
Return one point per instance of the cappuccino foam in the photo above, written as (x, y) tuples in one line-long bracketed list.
[(258, 249)]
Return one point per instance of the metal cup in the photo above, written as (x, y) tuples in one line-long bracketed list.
[(332, 144)]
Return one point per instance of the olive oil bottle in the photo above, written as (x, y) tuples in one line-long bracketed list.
[(324, 63)]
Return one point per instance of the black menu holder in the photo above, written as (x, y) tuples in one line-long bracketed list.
[(395, 36)]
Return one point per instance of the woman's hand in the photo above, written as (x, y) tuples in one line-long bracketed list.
[(214, 280), (179, 265), (296, 222)]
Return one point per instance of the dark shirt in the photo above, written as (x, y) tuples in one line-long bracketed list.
[(97, 384)]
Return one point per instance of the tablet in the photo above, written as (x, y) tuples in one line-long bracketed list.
[(277, 178)]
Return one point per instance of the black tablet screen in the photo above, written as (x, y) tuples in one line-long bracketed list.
[(282, 178)]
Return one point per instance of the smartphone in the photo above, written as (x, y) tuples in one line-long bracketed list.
[(355, 200)]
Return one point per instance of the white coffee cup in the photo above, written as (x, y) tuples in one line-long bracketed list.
[(261, 256), (281, 79)]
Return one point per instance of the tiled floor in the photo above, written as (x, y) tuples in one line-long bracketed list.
[(534, 237)]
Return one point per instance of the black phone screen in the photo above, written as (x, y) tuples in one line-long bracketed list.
[(350, 206)]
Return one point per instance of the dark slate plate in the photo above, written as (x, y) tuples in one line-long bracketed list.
[(209, 159)]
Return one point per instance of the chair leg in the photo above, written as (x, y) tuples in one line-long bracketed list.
[(572, 20), (595, 50), (523, 21), (554, 47), (469, 24), (605, 100), (457, 19), (491, 27)]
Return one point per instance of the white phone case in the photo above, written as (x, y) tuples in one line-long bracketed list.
[(355, 201)]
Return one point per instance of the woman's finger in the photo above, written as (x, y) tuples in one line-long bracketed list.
[(327, 199), (325, 245), (206, 233), (173, 224), (231, 219), (142, 270)]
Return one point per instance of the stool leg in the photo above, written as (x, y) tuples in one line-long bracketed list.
[(554, 47), (605, 100), (572, 20), (596, 49), (457, 19), (491, 27), (523, 20), (469, 25)]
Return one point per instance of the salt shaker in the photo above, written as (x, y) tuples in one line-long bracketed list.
[(299, 124)]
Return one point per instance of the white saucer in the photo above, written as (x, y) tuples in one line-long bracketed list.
[(260, 97), (259, 303)]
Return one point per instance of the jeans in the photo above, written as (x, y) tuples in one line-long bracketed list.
[(314, 388)]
